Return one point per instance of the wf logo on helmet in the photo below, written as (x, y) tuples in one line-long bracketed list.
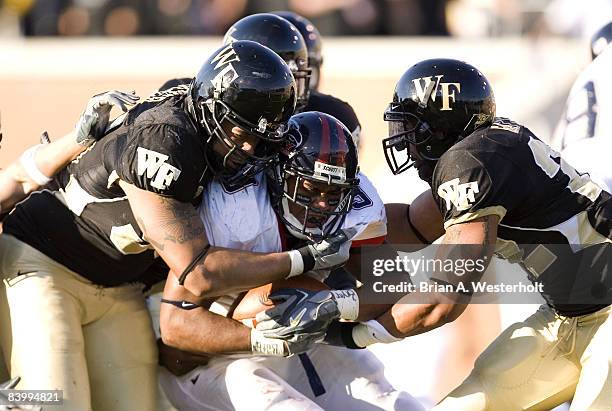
[(423, 85), (224, 59)]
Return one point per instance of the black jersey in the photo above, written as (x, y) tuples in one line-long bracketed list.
[(554, 221), (335, 107), (87, 225)]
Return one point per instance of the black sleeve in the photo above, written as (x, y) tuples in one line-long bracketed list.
[(159, 158), (468, 185)]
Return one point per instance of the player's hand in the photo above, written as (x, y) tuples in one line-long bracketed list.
[(261, 344), (328, 253), (93, 122), (298, 312)]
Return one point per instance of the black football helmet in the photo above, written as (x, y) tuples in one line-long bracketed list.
[(243, 84), (436, 103), (312, 37), (321, 151), (282, 38), (600, 40)]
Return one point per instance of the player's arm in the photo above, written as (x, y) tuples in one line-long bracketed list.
[(38, 164), (187, 324), (413, 314), (418, 312), (418, 223), (176, 232), (350, 304), (410, 316), (34, 168), (198, 330)]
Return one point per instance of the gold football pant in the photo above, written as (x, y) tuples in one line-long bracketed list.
[(62, 332), (540, 363)]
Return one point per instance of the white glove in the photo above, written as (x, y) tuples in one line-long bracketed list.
[(93, 122)]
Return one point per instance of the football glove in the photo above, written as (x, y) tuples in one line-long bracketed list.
[(301, 311), (92, 124), (325, 254)]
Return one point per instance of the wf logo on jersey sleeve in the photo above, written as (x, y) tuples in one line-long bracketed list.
[(459, 195), (158, 171), (426, 87)]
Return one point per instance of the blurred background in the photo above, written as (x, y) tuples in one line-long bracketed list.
[(55, 54)]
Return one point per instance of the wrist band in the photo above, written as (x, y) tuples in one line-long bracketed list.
[(348, 303), (297, 263), (307, 258), (346, 335), (371, 332), (28, 163), (266, 346)]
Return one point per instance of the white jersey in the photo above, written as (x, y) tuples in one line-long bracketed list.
[(584, 133), (245, 220)]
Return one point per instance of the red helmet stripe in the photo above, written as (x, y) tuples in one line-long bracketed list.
[(342, 145), (324, 149)]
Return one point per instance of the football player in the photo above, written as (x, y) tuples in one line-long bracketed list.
[(275, 33), (582, 134), (74, 260), (298, 42), (317, 191), (495, 187)]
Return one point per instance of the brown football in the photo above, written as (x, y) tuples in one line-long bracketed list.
[(256, 299)]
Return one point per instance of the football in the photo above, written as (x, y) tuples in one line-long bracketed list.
[(256, 299)]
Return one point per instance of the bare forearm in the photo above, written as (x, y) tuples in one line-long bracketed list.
[(15, 182), (203, 332), (51, 158), (11, 191), (420, 312), (405, 319), (235, 270)]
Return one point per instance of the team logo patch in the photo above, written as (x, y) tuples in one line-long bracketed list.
[(427, 88), (459, 195), (322, 170), (154, 165), (361, 200)]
